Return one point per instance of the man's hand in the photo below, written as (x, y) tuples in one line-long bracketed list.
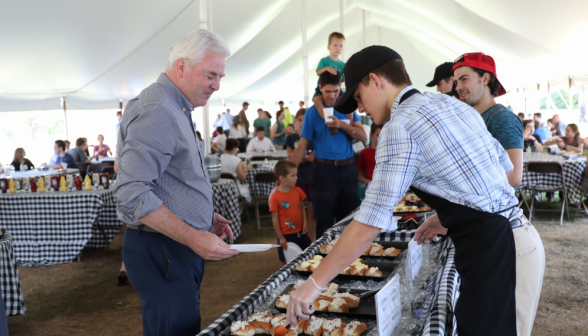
[(211, 247), (560, 143), (221, 228), (284, 243), (300, 301), (429, 230), (334, 122)]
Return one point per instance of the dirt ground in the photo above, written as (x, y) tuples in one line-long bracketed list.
[(83, 299)]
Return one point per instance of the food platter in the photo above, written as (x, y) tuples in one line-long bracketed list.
[(366, 308), (386, 245), (385, 267)]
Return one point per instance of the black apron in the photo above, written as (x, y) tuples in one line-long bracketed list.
[(485, 258)]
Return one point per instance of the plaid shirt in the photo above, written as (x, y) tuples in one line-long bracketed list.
[(441, 146), (161, 160)]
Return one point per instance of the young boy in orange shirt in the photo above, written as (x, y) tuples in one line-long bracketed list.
[(287, 208)]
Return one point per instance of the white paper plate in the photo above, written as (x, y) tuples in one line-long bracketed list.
[(252, 247)]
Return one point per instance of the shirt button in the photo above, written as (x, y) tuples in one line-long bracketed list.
[(184, 110)]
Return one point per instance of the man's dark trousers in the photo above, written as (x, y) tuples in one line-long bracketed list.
[(167, 275), (334, 193)]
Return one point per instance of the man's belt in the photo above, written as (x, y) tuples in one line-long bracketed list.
[(143, 227), (336, 162), (516, 223)]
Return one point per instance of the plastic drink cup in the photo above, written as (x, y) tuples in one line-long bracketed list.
[(328, 112)]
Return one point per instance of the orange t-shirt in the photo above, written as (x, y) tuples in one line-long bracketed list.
[(288, 207)]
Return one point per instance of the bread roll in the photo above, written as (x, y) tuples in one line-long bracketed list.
[(374, 272), (332, 289), (283, 301), (392, 252), (278, 320), (325, 298), (354, 328), (297, 285), (340, 331), (330, 325), (351, 300), (314, 327), (325, 249), (242, 328), (321, 305), (347, 270), (261, 321), (360, 269), (302, 325), (338, 305)]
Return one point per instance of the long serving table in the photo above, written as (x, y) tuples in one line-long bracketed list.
[(572, 173), (54, 227), (260, 188), (9, 278), (226, 203), (37, 173), (442, 287)]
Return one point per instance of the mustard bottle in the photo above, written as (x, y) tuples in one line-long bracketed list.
[(11, 187), (62, 184), (41, 185), (87, 183)]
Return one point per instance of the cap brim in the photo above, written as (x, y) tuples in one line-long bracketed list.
[(347, 103), (502, 89), (432, 83)]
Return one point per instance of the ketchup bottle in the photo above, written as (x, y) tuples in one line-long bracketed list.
[(78, 183), (33, 185)]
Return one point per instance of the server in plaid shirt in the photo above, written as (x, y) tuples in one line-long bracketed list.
[(163, 189), (441, 148)]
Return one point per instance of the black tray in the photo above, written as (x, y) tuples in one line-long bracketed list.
[(398, 245), (366, 308), (385, 267), (370, 326)]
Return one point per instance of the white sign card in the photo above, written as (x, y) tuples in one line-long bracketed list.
[(388, 308), (415, 252)]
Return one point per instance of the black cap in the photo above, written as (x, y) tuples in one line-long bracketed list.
[(359, 65), (441, 72)]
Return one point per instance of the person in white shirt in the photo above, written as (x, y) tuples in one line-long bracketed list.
[(226, 120), (260, 143), (238, 132), (219, 143), (232, 164)]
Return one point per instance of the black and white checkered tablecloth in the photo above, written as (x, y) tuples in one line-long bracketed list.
[(226, 203), (260, 188), (440, 319), (53, 227), (572, 173), (9, 279)]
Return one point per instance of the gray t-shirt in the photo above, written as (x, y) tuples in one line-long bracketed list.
[(78, 155)]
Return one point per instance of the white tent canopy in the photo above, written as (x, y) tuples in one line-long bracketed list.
[(96, 53)]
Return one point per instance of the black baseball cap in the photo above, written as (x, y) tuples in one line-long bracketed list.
[(441, 72), (359, 65)]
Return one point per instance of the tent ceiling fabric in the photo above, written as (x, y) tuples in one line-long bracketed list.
[(96, 53)]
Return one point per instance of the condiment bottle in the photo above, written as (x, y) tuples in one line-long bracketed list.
[(105, 180), (33, 185), (41, 186), (78, 183), (3, 185), (62, 184), (11, 187), (87, 183), (55, 182)]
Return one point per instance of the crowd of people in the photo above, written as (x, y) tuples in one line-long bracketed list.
[(63, 155)]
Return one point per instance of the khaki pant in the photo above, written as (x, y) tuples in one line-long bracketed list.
[(530, 268)]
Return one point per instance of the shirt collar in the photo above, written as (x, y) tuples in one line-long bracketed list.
[(399, 96), (175, 92)]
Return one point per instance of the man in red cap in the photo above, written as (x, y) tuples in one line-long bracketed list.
[(477, 86)]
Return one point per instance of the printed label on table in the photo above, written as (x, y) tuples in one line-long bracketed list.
[(415, 253), (388, 308)]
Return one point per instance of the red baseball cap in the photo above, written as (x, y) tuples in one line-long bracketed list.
[(479, 61)]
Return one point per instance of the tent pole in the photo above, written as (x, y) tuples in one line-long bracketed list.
[(304, 50), (65, 116), (203, 24), (341, 21), (120, 104)]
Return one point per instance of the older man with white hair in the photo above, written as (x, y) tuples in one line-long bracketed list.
[(163, 189)]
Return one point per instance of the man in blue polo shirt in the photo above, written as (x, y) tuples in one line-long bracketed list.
[(334, 179)]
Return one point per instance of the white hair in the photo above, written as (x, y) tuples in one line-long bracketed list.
[(193, 46)]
